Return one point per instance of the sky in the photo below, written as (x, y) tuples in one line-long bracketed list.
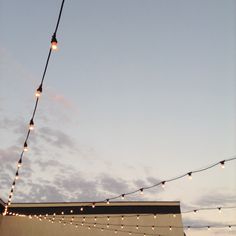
[(138, 92)]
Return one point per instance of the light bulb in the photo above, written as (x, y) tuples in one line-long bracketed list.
[(190, 175), (54, 42), (108, 201), (222, 164), (137, 227), (123, 196), (170, 228), (31, 124), (137, 217), (141, 191), (93, 205), (163, 184), (153, 227), (17, 175), (39, 91), (81, 208), (25, 147), (19, 163)]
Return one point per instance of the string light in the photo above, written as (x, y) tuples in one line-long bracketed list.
[(37, 94), (143, 226), (122, 196), (108, 201), (163, 183), (93, 206)]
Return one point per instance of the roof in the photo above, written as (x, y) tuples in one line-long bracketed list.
[(135, 217)]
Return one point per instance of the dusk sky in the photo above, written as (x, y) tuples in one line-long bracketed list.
[(139, 91)]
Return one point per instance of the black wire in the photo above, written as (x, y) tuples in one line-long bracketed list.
[(36, 103), (165, 181)]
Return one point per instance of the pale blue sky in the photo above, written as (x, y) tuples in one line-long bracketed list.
[(137, 90)]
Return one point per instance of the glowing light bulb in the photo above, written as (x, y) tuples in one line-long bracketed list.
[(141, 191), (17, 175), (54, 42), (222, 164), (115, 231), (31, 124), (81, 208), (153, 227), (219, 208), (108, 218), (155, 216), (170, 228), (108, 225), (190, 175), (123, 196), (93, 205), (137, 217), (163, 184), (137, 227), (230, 228), (108, 201), (208, 228), (19, 163), (195, 211), (39, 91), (25, 147)]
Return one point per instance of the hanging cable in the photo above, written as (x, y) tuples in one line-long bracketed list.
[(31, 123)]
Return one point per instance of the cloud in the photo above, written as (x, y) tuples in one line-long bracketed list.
[(56, 138), (216, 199)]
